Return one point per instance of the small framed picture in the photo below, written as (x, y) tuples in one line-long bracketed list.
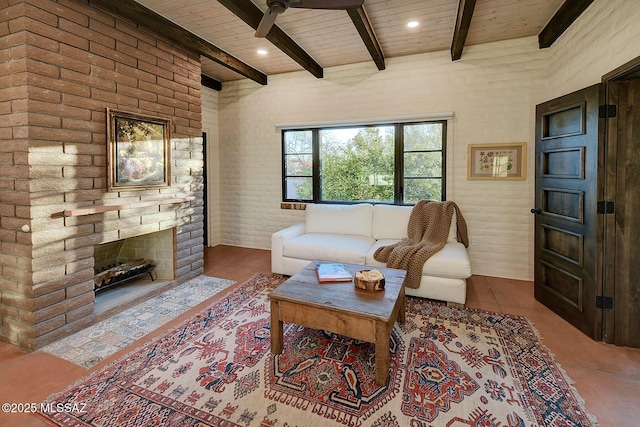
[(139, 154), (497, 161)]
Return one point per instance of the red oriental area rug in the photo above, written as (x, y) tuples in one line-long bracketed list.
[(449, 367)]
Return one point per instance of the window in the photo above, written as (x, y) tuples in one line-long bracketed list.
[(298, 165), (399, 163), (423, 162)]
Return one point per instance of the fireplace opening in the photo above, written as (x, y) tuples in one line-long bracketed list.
[(128, 271), (115, 275)]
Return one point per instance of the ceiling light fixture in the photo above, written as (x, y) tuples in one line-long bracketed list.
[(262, 51), (413, 24)]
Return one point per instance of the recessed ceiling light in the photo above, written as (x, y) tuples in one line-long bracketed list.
[(413, 24), (262, 52)]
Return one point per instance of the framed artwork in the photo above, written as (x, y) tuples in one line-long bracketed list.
[(139, 154), (497, 161)]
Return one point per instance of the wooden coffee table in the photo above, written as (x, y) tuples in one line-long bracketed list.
[(341, 308)]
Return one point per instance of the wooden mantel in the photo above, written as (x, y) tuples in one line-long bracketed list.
[(109, 208)]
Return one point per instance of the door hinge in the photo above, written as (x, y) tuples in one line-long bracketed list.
[(604, 302), (606, 208), (608, 110)]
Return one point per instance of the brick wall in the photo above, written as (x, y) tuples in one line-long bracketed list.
[(492, 92), (61, 64), (602, 39)]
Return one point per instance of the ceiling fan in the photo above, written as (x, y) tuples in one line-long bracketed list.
[(276, 7)]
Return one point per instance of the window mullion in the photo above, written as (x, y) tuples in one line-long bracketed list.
[(399, 165), (315, 143), (284, 164), (444, 161)]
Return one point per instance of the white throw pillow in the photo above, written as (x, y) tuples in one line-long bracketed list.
[(390, 221), (339, 219)]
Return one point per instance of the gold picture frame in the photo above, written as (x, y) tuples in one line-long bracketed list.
[(139, 154), (497, 161)]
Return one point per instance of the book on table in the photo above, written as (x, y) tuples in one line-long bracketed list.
[(332, 272)]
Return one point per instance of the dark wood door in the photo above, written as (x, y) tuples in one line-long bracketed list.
[(566, 195), (622, 238)]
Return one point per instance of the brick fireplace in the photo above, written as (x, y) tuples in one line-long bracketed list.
[(62, 64)]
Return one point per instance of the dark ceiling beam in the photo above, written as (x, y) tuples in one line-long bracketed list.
[(368, 36), (169, 29), (461, 30), (563, 18), (210, 82), (252, 14)]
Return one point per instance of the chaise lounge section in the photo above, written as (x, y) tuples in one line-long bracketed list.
[(353, 233)]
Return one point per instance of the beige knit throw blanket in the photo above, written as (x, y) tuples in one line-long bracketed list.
[(428, 231)]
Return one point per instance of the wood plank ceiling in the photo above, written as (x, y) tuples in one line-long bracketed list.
[(222, 31)]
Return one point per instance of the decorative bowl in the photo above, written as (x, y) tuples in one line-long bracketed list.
[(369, 280)]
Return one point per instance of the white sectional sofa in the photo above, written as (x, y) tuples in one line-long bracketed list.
[(352, 233)]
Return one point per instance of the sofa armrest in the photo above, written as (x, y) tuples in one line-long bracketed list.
[(277, 245)]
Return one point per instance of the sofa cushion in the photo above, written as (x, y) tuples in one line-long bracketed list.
[(451, 261), (331, 247), (339, 219)]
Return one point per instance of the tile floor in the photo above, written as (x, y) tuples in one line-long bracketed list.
[(607, 377)]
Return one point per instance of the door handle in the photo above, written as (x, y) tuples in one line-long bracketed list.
[(536, 211)]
